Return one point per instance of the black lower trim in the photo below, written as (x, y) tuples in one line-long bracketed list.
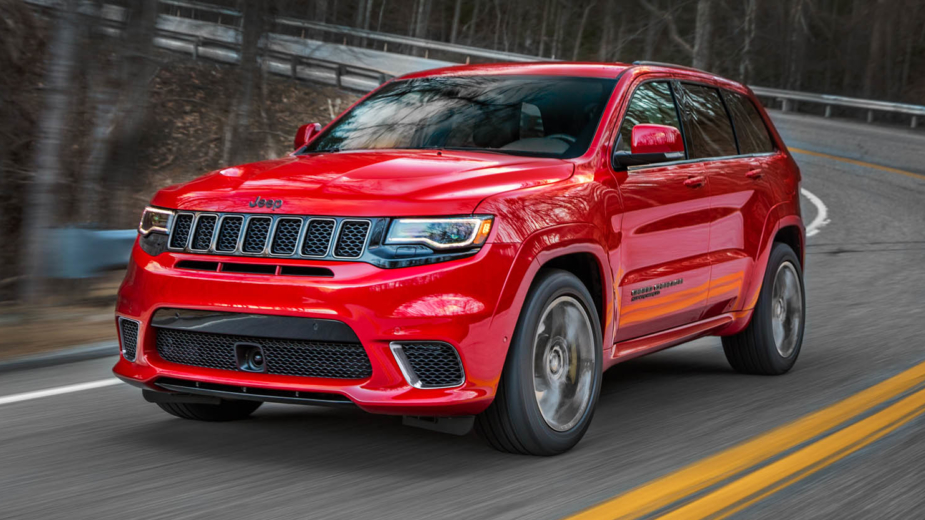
[(257, 325), (182, 386)]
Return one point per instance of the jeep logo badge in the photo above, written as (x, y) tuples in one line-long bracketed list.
[(266, 203)]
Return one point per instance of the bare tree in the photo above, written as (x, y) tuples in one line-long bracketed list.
[(40, 212), (749, 26), (457, 10), (581, 29), (238, 127), (703, 34)]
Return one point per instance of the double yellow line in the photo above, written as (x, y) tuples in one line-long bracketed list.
[(723, 482)]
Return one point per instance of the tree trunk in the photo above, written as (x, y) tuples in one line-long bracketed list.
[(653, 29), (457, 10), (797, 44), (703, 34), (603, 48), (39, 213), (542, 35), (581, 30), (750, 25), (874, 56), (239, 121)]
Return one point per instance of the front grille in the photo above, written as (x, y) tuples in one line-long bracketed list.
[(181, 230), (436, 365), (258, 229), (205, 227), (128, 332), (317, 237), (292, 236), (229, 233), (286, 236), (286, 357), (352, 238)]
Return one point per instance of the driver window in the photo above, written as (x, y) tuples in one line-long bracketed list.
[(651, 103)]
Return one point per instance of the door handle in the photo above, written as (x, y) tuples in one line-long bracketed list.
[(754, 174), (695, 182)]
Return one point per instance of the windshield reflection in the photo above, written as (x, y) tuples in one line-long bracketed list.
[(534, 116)]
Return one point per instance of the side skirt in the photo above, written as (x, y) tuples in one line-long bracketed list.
[(636, 347)]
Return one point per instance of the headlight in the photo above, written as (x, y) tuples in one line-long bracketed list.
[(155, 220), (440, 233)]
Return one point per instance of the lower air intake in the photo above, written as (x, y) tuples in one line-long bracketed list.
[(128, 333), (430, 365), (286, 357)]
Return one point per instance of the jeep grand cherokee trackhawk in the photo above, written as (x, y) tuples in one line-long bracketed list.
[(474, 245)]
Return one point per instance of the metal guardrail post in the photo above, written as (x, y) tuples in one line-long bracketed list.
[(915, 121)]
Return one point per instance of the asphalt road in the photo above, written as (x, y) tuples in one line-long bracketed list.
[(105, 453)]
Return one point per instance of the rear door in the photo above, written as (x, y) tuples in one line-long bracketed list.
[(711, 137), (664, 269), (742, 197)]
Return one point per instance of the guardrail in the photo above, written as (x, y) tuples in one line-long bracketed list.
[(386, 38), (788, 97)]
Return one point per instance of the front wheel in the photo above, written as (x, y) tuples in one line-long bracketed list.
[(552, 376), (772, 341)]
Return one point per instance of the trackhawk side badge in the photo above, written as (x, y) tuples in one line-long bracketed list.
[(266, 203), (653, 290)]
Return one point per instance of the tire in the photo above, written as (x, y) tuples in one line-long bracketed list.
[(518, 421), (759, 349), (224, 411)]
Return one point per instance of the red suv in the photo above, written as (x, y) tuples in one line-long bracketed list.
[(474, 245)]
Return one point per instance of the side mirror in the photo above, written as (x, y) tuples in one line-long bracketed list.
[(651, 144), (304, 134)]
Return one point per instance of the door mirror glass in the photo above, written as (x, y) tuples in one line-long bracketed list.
[(651, 144), (304, 134)]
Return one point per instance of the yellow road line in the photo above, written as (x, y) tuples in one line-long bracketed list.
[(749, 489), (858, 163), (700, 475)]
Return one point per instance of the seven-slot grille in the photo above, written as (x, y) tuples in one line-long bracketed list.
[(286, 357), (270, 235), (128, 333)]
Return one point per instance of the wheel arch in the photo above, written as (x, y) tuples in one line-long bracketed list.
[(576, 248)]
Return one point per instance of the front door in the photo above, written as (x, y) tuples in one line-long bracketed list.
[(664, 269)]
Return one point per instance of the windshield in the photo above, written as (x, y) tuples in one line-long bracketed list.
[(538, 116)]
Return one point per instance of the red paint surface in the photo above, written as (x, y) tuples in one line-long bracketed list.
[(710, 224)]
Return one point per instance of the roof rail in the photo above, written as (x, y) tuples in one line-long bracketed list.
[(673, 65)]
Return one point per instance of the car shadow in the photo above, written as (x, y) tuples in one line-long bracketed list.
[(337, 438)]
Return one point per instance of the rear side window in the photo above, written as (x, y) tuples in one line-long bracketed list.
[(651, 103), (750, 129), (709, 130)]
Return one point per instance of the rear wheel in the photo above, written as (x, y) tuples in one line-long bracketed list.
[(772, 341), (224, 411), (552, 377)]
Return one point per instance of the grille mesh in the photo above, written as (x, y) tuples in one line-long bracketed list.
[(286, 236), (435, 364), (205, 227), (229, 233), (287, 357), (352, 239), (317, 237), (256, 237), (129, 338), (181, 230)]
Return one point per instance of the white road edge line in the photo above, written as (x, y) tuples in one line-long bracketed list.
[(822, 213), (48, 392)]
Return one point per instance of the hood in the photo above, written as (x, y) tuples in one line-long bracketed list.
[(365, 184)]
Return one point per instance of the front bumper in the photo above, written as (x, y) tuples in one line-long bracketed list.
[(453, 302)]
